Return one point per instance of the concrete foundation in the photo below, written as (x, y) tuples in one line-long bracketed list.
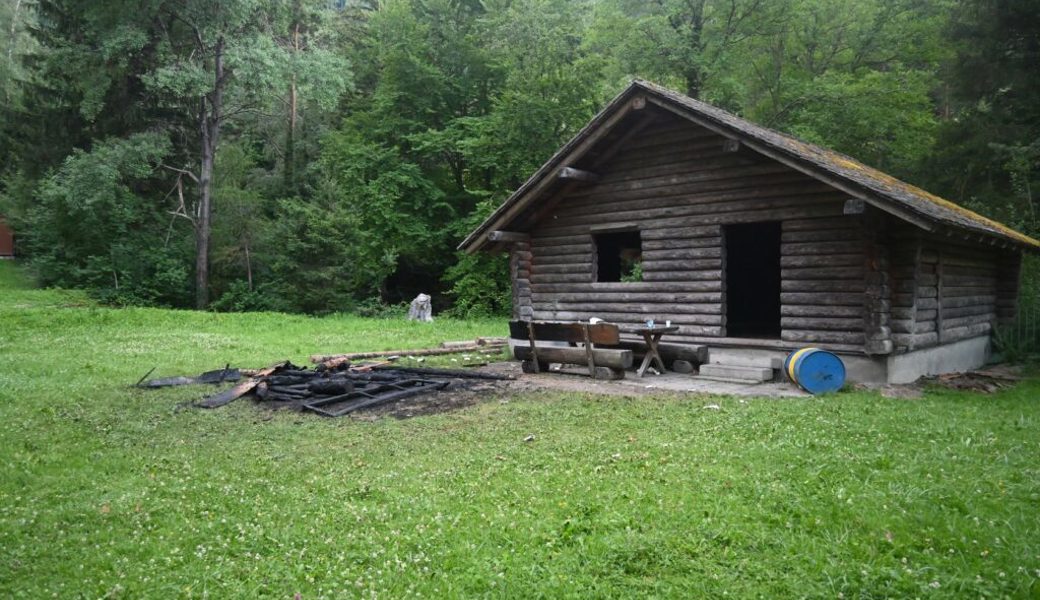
[(964, 355)]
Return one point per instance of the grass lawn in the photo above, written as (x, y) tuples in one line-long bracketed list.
[(106, 491)]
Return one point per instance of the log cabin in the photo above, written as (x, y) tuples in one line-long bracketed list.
[(754, 243)]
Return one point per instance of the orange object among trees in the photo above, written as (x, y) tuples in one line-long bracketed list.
[(6, 240)]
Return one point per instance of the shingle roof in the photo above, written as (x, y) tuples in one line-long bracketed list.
[(877, 188)]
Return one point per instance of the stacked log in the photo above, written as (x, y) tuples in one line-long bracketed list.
[(822, 281)]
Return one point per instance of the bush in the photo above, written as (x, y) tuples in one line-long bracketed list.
[(239, 298), (480, 286)]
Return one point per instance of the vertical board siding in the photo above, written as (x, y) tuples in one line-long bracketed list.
[(953, 294)]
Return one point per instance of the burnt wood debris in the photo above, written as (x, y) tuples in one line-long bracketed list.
[(335, 387)]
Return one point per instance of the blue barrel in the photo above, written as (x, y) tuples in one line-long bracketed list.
[(815, 371)]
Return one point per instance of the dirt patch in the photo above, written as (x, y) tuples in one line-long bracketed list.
[(447, 400), (985, 381), (462, 394)]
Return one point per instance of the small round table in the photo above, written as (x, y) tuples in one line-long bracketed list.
[(652, 336)]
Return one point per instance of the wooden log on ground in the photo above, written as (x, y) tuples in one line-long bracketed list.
[(463, 345), (445, 373), (333, 360), (669, 352)]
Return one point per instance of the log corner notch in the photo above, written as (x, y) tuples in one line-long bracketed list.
[(572, 174)]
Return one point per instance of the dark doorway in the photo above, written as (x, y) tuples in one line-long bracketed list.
[(753, 280)]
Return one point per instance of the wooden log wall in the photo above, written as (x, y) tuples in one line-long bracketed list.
[(679, 186), (822, 282), (520, 275)]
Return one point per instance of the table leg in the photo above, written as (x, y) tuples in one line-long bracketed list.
[(657, 355), (646, 363)]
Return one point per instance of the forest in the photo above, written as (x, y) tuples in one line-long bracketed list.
[(323, 156)]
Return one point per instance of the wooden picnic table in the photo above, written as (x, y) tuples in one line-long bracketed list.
[(652, 336)]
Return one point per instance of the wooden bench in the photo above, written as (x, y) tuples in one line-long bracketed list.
[(603, 363)]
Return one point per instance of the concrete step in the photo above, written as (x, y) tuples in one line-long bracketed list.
[(749, 374), (729, 381), (744, 358)]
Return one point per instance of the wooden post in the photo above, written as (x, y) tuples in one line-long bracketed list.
[(534, 350), (723, 305), (912, 328), (588, 350), (939, 297)]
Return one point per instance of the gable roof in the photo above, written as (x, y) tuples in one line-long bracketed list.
[(881, 190)]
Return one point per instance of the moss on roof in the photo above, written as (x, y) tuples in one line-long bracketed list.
[(880, 184)]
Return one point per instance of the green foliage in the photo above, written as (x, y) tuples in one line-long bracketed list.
[(480, 286), (989, 155), (91, 224), (883, 118), (1019, 341), (394, 126), (631, 271), (239, 297), (316, 269), (392, 207)]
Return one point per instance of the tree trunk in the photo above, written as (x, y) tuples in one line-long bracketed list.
[(693, 82), (249, 266), (209, 126), (290, 134), (11, 40)]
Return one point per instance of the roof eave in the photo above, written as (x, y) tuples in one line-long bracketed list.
[(573, 149)]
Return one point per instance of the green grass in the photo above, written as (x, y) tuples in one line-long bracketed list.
[(110, 491)]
